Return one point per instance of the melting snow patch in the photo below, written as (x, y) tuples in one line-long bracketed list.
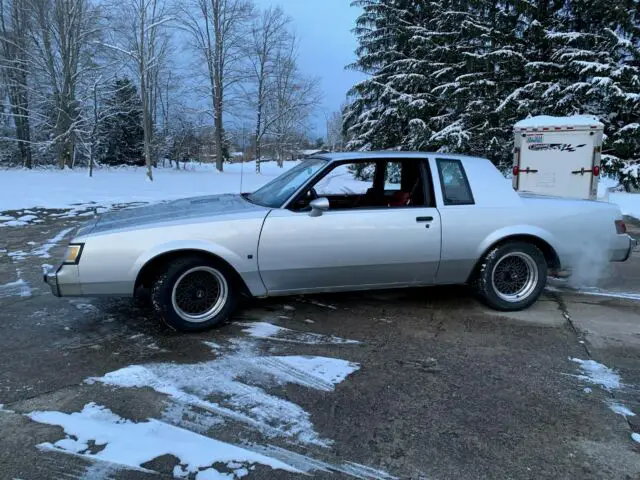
[(19, 288), (43, 251), (281, 334), (635, 437), (237, 378), (598, 374), (620, 409), (133, 444)]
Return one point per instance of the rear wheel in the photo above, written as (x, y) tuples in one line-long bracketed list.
[(194, 294), (512, 276)]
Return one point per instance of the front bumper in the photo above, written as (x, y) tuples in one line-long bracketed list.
[(63, 280), (50, 277)]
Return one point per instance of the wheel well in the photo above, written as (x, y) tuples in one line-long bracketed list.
[(157, 264), (550, 255)]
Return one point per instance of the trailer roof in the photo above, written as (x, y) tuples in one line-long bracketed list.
[(546, 121)]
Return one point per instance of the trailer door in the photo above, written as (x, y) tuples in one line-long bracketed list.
[(557, 163)]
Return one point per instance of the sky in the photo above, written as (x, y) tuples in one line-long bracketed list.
[(327, 45)]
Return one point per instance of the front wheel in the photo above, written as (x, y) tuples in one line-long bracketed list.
[(194, 294), (512, 276)]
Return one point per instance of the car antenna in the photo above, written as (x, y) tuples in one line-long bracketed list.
[(241, 174)]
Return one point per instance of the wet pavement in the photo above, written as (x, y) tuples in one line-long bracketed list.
[(415, 384)]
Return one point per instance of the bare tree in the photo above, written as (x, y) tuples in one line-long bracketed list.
[(292, 100), (139, 35), (14, 44), (269, 35), (217, 29), (335, 136)]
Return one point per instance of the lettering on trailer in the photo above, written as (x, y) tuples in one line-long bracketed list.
[(536, 138), (562, 147)]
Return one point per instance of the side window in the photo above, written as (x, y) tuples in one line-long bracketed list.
[(393, 176), (455, 185), (347, 179)]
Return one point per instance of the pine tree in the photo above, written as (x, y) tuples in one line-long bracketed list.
[(122, 133), (456, 75), (381, 116)]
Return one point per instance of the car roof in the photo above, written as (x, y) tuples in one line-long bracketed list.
[(387, 155)]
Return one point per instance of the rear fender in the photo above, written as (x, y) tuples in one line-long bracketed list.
[(513, 231)]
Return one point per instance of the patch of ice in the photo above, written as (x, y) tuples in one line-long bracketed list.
[(635, 437), (620, 409), (281, 334), (43, 251), (101, 470), (598, 374), (604, 293), (18, 255), (133, 444), (19, 288), (244, 400), (308, 464), (190, 418), (318, 304)]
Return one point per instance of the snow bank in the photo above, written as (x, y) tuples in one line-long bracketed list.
[(629, 203), (50, 188), (549, 121)]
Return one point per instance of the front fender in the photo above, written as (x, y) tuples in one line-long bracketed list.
[(246, 267)]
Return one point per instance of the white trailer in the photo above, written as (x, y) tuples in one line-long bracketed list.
[(558, 156)]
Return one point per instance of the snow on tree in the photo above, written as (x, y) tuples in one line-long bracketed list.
[(450, 75), (122, 130)]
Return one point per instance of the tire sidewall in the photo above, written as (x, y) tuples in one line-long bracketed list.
[(162, 290), (484, 284)]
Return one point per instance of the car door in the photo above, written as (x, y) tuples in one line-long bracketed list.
[(351, 248)]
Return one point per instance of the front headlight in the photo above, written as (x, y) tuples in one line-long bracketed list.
[(72, 255)]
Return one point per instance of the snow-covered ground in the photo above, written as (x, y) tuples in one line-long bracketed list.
[(629, 203), (52, 188), (27, 191)]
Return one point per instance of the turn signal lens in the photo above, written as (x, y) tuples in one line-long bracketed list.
[(72, 255), (516, 171), (621, 228), (596, 170)]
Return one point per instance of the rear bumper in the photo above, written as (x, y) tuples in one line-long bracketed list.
[(623, 253), (63, 280)]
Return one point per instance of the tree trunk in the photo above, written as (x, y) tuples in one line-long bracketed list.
[(147, 133), (219, 136)]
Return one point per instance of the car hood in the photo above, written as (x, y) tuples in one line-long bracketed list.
[(183, 210)]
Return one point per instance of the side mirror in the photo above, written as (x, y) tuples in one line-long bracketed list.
[(319, 206)]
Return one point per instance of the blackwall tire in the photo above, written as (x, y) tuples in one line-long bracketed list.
[(194, 294), (512, 276)]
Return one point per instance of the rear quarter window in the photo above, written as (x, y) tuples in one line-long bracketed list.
[(454, 182)]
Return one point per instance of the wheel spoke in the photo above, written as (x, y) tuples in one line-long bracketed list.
[(514, 276)]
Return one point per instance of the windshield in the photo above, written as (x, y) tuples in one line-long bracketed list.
[(277, 191)]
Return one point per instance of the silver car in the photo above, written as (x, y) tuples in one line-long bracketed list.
[(339, 222)]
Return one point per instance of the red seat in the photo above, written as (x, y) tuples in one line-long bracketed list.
[(399, 199)]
